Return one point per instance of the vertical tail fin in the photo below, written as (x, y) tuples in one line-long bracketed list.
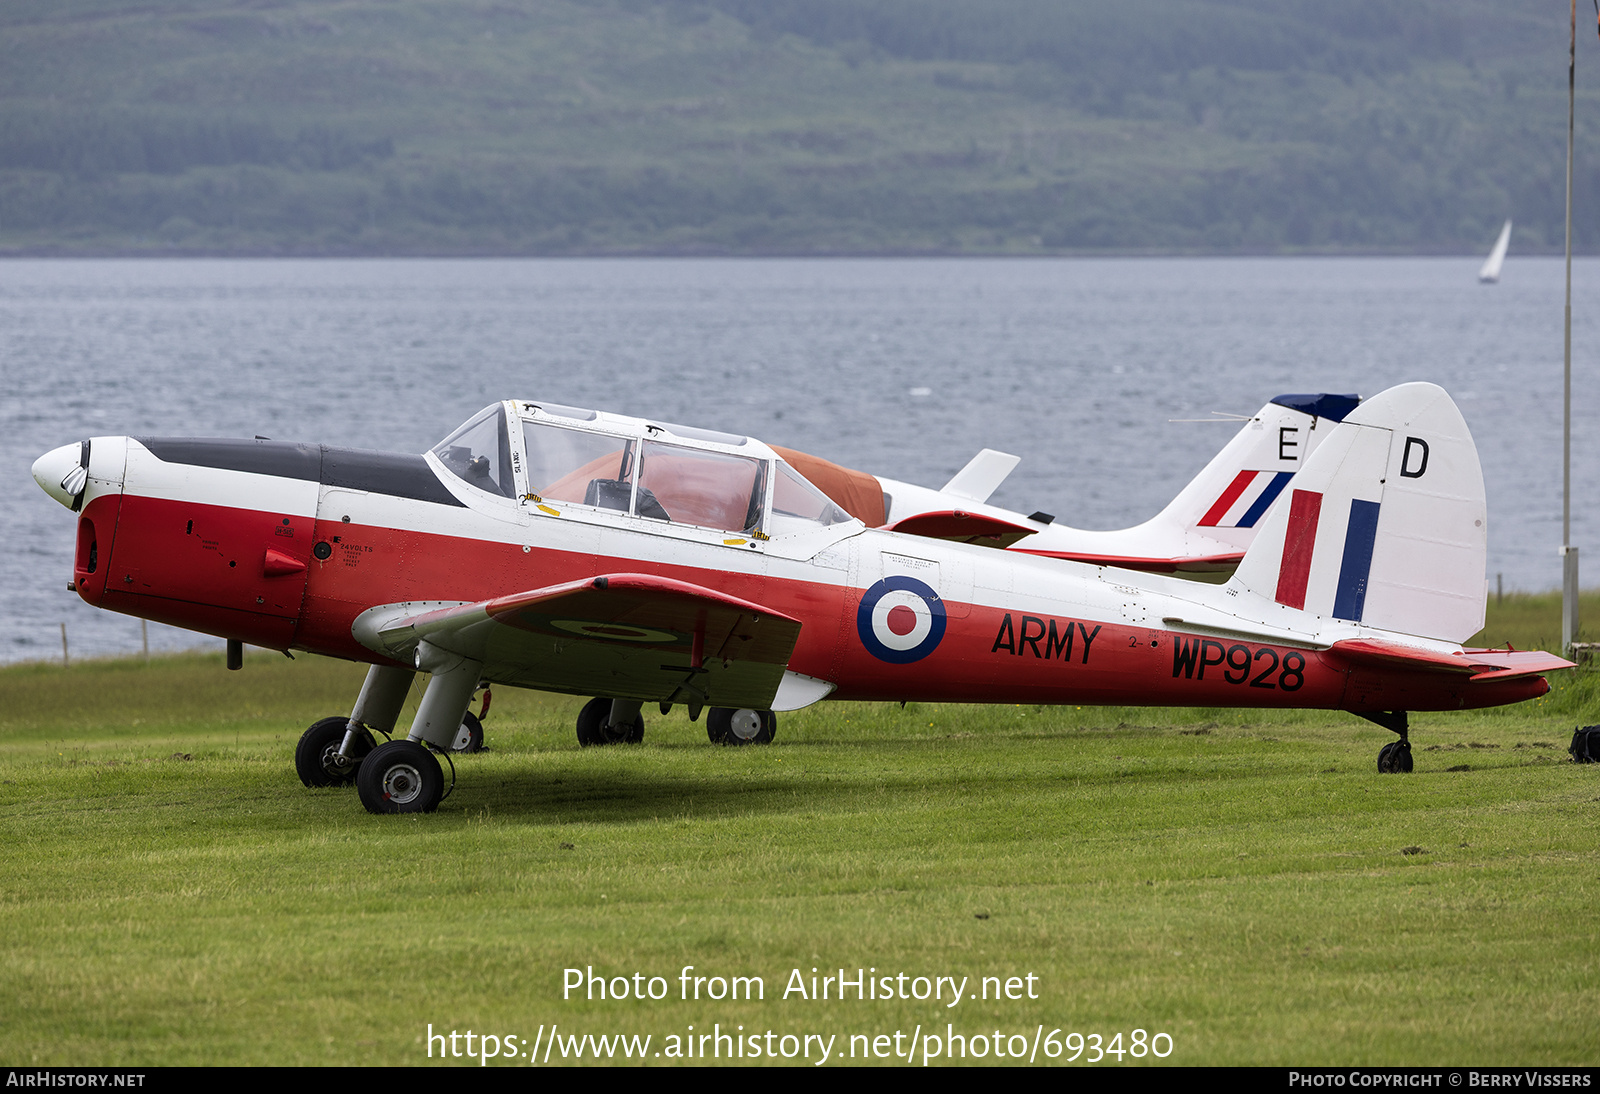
[(1386, 524), (1228, 500)]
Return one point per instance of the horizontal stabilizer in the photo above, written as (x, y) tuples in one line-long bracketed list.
[(1477, 664), (1188, 564), (630, 636), (982, 476), (960, 527), (1243, 630)]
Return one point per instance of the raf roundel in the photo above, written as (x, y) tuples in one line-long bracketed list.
[(617, 632), (900, 620)]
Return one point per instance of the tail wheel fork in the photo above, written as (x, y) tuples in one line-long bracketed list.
[(1394, 757)]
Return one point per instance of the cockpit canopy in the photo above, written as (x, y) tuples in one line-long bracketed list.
[(549, 454)]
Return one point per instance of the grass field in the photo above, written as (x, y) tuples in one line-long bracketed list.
[(1241, 881)]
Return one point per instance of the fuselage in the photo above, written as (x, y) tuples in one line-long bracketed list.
[(285, 545)]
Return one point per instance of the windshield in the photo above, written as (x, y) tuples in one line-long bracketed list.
[(479, 453)]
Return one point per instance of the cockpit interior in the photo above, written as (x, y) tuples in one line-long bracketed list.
[(548, 454)]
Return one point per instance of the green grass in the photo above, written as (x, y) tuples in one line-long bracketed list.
[(1532, 621), (1238, 880)]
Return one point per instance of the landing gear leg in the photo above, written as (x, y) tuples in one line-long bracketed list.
[(330, 752), (1396, 755), (383, 694), (449, 694), (403, 776)]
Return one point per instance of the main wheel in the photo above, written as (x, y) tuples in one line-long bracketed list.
[(400, 777), (1394, 757), (592, 728), (469, 738), (316, 757), (741, 727)]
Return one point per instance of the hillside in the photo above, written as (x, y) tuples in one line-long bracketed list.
[(786, 126)]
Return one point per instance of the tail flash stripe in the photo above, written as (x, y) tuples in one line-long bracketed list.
[(1229, 496), (1351, 598), (1299, 541), (1268, 496)]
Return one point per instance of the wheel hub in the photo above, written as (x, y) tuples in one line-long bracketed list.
[(745, 724), (333, 763), (402, 784)]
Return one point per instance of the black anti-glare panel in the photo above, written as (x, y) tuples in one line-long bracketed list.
[(392, 473)]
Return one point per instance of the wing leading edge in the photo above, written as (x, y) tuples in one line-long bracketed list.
[(630, 636)]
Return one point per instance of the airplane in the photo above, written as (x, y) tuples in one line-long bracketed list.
[(1204, 530), (637, 561)]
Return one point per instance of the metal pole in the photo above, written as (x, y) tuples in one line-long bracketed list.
[(144, 635), (64, 661), (1569, 553)]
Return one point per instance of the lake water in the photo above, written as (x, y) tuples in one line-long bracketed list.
[(900, 367)]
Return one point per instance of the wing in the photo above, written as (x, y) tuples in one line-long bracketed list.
[(962, 527), (629, 636)]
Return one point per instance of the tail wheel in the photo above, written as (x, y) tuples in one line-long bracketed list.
[(316, 757), (592, 728), (1394, 758), (743, 726), (469, 738), (400, 777)]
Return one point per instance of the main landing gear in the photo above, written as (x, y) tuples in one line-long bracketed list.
[(318, 758), (619, 721), (324, 757), (741, 727), (469, 738), (1394, 757), (398, 776), (610, 722)]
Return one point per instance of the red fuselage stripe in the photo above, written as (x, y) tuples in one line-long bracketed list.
[(1026, 649)]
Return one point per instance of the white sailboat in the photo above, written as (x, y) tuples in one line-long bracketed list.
[(1491, 266)]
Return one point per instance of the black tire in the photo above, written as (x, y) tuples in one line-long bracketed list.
[(400, 777), (592, 729), (469, 738), (1395, 758), (314, 759), (741, 727)]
